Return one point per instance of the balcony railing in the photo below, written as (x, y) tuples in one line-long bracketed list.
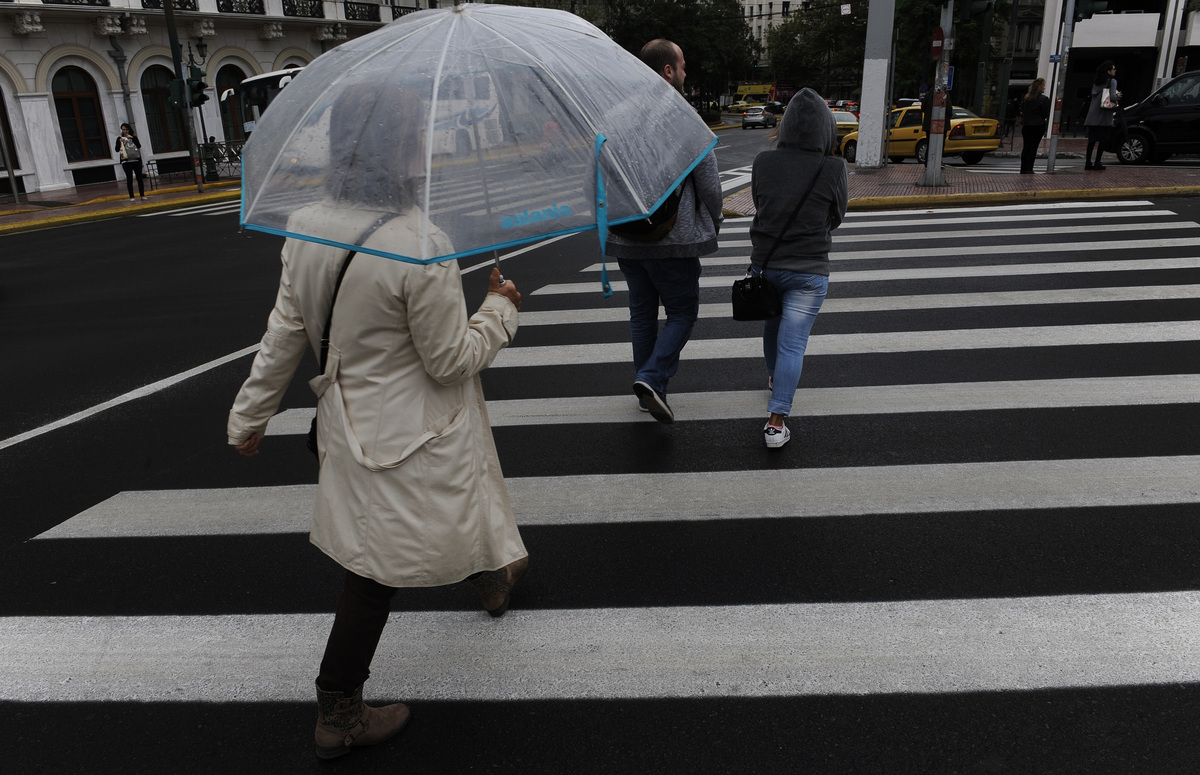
[(309, 9), (404, 10), (241, 6), (362, 12), (180, 5), (75, 2)]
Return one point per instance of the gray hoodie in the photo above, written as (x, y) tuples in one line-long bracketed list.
[(807, 138)]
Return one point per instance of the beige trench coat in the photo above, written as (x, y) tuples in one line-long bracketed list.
[(411, 493)]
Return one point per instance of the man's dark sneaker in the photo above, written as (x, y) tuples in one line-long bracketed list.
[(655, 402)]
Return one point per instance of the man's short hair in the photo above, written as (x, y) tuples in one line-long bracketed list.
[(659, 53)]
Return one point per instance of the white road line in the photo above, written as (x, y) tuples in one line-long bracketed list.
[(915, 216), (889, 303), (132, 395), (750, 346), (1134, 246), (736, 225), (906, 647), (698, 496), (815, 402), (193, 210), (923, 273)]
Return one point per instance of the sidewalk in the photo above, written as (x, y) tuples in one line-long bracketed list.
[(103, 200), (893, 186)]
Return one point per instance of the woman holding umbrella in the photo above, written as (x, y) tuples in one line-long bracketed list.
[(410, 490)]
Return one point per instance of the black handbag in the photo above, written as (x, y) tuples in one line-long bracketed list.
[(754, 298), (312, 429)]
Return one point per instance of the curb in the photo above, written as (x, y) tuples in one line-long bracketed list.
[(1017, 197), (1001, 197), (158, 205)]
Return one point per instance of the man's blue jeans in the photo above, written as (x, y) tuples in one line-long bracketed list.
[(785, 338), (675, 282)]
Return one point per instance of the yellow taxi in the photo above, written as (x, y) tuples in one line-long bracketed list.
[(847, 122), (968, 136), (741, 107)]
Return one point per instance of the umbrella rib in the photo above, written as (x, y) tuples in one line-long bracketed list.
[(566, 93), (304, 119)]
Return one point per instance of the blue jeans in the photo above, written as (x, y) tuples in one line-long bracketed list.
[(675, 282), (785, 338)]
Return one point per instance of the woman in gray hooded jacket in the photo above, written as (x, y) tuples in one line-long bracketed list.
[(795, 251)]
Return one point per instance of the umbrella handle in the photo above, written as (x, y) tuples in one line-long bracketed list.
[(496, 257)]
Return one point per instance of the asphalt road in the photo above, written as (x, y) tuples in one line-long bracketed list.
[(976, 555)]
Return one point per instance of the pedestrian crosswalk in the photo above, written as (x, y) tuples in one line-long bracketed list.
[(995, 400)]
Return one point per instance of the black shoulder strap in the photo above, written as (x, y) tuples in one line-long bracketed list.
[(337, 286), (792, 217)]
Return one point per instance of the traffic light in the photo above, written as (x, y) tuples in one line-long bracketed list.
[(175, 96), (197, 86)]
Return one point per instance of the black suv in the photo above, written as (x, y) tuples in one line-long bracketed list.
[(1165, 123)]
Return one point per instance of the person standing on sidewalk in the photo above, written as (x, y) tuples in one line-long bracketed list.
[(130, 150), (667, 270), (1035, 118), (797, 241), (1099, 121)]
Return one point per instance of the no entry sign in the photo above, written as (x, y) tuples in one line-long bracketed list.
[(939, 40)]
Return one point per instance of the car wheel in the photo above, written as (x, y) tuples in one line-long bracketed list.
[(972, 157), (896, 159), (1134, 149), (745, 127), (851, 152), (922, 151)]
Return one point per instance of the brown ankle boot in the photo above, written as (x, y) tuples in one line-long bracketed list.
[(343, 721), (495, 586)]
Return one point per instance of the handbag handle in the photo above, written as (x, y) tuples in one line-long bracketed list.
[(337, 286), (792, 217)]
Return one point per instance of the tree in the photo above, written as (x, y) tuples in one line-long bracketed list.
[(713, 34), (821, 48)]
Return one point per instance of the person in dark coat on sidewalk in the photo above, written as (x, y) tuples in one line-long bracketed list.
[(1035, 119), (130, 150), (1099, 120)]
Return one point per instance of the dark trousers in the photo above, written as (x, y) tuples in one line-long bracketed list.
[(1097, 137), (1032, 135), (134, 168), (361, 615)]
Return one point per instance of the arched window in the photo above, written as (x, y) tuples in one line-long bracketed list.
[(79, 117), (228, 77), (164, 124)]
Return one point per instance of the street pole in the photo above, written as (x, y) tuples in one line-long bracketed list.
[(1060, 80), (877, 69), (933, 175), (189, 129)]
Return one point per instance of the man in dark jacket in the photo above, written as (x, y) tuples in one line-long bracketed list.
[(667, 271)]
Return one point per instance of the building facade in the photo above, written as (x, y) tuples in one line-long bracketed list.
[(72, 71)]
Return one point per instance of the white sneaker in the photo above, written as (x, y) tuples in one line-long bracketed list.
[(776, 437)]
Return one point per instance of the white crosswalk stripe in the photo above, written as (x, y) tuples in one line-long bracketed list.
[(1002, 643)]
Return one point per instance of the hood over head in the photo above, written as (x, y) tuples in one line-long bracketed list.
[(808, 124)]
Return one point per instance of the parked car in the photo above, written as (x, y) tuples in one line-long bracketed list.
[(740, 107), (847, 122), (775, 107), (850, 106), (906, 102), (758, 117), (1165, 123), (969, 136)]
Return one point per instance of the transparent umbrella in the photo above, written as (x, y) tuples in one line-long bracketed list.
[(498, 125)]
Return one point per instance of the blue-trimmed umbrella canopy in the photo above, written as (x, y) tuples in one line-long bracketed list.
[(491, 120)]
